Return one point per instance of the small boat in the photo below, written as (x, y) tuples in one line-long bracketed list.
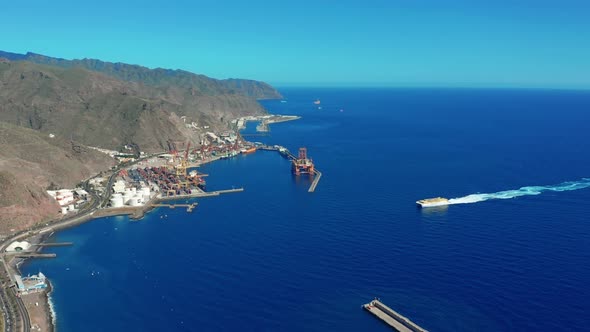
[(317, 102)]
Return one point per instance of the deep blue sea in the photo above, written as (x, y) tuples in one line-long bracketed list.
[(277, 258)]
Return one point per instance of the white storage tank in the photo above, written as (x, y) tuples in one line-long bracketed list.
[(145, 194), (135, 201), (117, 200), (126, 197)]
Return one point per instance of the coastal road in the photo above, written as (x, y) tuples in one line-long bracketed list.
[(24, 314), (9, 318)]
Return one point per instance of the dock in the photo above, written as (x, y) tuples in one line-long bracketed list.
[(316, 179), (53, 244), (391, 317), (34, 255), (201, 193), (189, 207)]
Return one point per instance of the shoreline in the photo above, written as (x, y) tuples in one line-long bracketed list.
[(50, 308), (47, 232), (134, 213)]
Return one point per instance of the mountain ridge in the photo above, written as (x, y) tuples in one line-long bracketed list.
[(154, 76), (47, 103)]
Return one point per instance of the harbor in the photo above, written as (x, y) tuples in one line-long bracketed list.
[(392, 317), (134, 188), (300, 164)]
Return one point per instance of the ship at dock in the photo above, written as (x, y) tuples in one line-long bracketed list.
[(430, 202)]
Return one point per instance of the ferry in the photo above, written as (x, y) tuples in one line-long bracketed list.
[(429, 202)]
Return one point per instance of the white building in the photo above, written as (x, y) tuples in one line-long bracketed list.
[(119, 186), (62, 196), (30, 284), (18, 246), (81, 193)]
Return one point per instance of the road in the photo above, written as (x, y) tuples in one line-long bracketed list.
[(22, 311), (9, 318)]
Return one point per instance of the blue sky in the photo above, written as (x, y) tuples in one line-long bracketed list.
[(322, 42)]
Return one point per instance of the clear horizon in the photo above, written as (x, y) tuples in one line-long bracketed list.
[(459, 43)]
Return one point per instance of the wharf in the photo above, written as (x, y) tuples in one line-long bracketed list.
[(53, 244), (137, 212), (189, 207), (34, 255), (314, 184), (201, 194), (391, 317)]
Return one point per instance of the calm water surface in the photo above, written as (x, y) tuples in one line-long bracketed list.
[(277, 258)]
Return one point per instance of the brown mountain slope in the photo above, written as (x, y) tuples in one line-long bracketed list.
[(157, 77), (30, 161), (100, 110)]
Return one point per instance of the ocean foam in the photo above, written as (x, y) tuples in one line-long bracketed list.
[(524, 191), (52, 310)]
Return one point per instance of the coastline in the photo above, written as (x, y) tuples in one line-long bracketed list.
[(134, 213), (44, 300)]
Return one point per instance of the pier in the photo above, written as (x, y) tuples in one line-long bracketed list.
[(189, 207), (34, 255), (316, 179), (391, 317), (53, 244)]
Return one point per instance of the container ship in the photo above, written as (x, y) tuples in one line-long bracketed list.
[(430, 202)]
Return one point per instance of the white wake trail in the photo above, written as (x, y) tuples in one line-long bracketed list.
[(524, 191)]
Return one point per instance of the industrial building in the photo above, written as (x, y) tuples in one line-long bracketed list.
[(130, 196), (30, 284), (62, 196)]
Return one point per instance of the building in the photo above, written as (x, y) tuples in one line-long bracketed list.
[(62, 196), (119, 186), (30, 284), (18, 246), (81, 193)]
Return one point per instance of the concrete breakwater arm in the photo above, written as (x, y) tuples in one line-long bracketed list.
[(315, 182), (392, 318)]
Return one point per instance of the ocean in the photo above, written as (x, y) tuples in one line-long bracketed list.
[(510, 254)]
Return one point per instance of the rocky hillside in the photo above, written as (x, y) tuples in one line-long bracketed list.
[(30, 162), (98, 104), (101, 110), (200, 84)]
